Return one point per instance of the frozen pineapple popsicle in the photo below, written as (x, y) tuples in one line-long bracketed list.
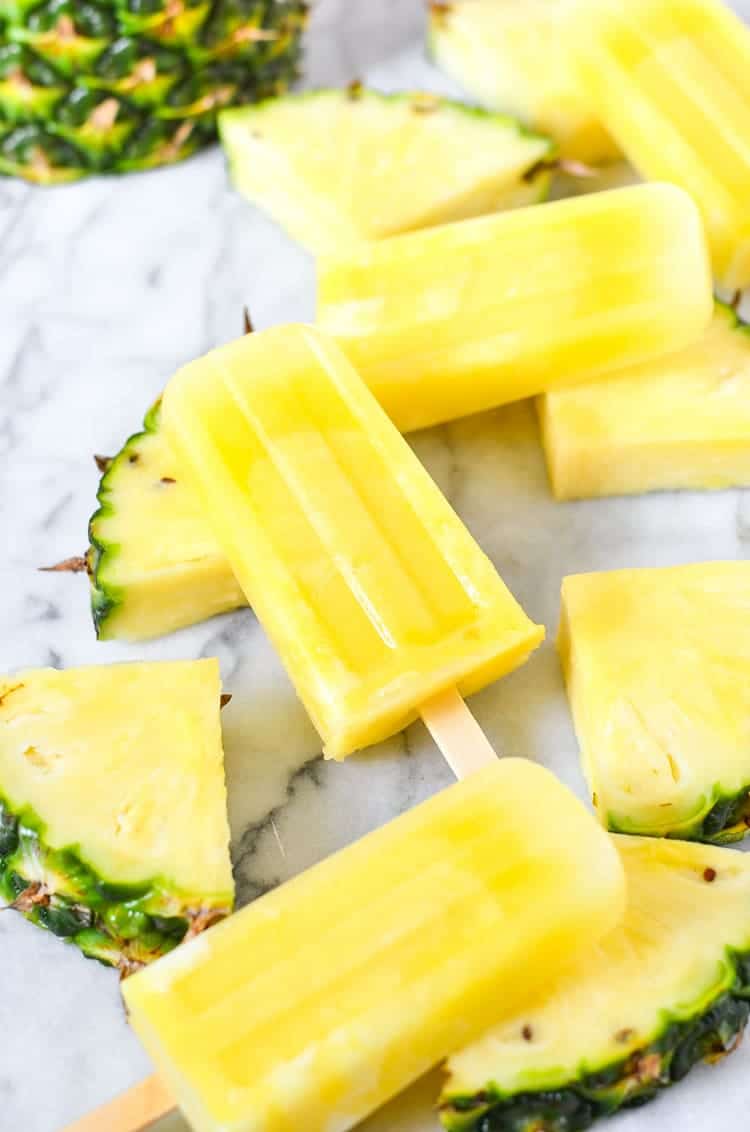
[(374, 593), (671, 81), (317, 1003), (472, 315), (678, 421)]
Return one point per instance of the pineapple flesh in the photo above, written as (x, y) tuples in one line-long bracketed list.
[(153, 561), (681, 421), (331, 166), (113, 824), (665, 991), (508, 54), (89, 86), (658, 671)]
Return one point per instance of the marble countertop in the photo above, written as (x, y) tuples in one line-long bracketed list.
[(105, 288)]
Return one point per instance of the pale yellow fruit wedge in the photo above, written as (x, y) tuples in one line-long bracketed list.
[(336, 167), (658, 670), (678, 421)]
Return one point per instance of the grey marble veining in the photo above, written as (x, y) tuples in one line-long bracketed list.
[(106, 287)]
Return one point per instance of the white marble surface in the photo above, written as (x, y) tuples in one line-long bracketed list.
[(105, 287)]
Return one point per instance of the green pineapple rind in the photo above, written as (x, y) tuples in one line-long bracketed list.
[(723, 820), (121, 926), (574, 1105), (107, 597)]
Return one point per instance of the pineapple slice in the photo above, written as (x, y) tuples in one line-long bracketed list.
[(665, 991), (658, 671), (508, 54), (113, 826), (681, 421), (331, 166), (154, 564)]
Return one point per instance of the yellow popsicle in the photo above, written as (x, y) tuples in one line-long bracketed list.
[(678, 421), (374, 593), (469, 316), (323, 999), (671, 81)]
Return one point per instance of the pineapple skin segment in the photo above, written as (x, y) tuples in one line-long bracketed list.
[(657, 676), (594, 1042), (677, 422), (324, 998), (445, 322), (509, 57), (670, 80), (108, 87), (153, 562), (125, 880), (304, 159)]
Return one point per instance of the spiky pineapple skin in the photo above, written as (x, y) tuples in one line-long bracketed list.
[(629, 1083), (113, 86), (121, 926), (106, 597)]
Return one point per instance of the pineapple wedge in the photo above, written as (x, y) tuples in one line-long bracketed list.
[(658, 670), (667, 990), (113, 824), (508, 54), (153, 561), (680, 421), (331, 166)]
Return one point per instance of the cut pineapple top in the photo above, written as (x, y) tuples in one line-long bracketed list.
[(635, 1005), (155, 565), (658, 670), (115, 85), (677, 421), (122, 765), (336, 167), (509, 55)]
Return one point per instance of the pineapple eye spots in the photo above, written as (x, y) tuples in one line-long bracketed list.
[(42, 761), (527, 1034), (709, 876), (9, 692)]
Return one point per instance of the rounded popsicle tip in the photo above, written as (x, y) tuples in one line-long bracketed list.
[(695, 284), (601, 891)]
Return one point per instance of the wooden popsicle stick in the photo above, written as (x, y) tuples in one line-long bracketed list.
[(465, 748), (132, 1111), (463, 744)]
